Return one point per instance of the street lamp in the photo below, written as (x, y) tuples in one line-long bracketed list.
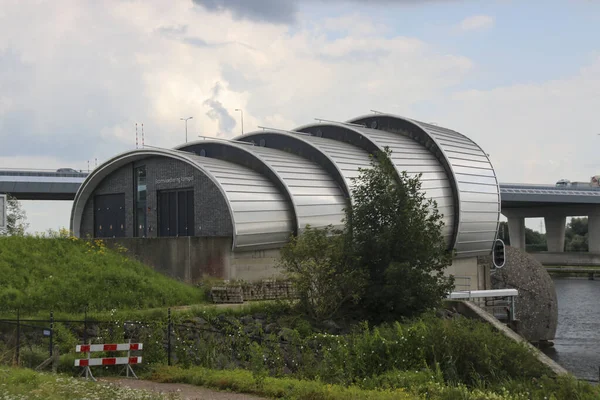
[(186, 120), (242, 112)]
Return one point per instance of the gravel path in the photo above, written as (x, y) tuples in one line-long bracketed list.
[(184, 391)]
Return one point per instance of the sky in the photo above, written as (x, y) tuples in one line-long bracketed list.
[(521, 78)]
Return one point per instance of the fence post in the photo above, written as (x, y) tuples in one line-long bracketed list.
[(51, 332), (85, 325), (18, 335), (169, 338)]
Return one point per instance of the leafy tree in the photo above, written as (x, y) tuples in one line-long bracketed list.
[(396, 233), (390, 256), (576, 235), (16, 218), (322, 270)]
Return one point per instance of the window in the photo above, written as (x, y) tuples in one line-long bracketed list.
[(140, 202)]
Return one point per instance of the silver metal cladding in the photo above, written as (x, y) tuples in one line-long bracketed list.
[(471, 175)]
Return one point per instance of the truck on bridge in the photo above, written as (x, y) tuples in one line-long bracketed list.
[(594, 182)]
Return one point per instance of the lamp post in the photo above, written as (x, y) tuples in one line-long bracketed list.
[(186, 120), (242, 112)]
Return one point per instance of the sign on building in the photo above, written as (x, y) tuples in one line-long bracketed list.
[(3, 206)]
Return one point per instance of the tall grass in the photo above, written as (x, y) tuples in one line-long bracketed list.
[(68, 275)]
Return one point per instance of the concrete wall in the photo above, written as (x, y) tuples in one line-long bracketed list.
[(567, 259), (190, 259), (469, 275), (212, 217)]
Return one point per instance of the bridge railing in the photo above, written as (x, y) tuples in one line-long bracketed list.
[(498, 302)]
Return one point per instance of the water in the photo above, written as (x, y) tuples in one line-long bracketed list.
[(577, 342)]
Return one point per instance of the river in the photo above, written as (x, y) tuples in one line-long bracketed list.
[(577, 342)]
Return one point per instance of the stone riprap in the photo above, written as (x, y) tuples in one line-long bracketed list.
[(536, 305)]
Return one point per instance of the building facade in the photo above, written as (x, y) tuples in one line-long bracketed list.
[(262, 187)]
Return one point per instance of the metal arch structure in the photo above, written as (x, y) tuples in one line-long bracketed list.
[(407, 156), (244, 201), (474, 183), (316, 198), (340, 159)]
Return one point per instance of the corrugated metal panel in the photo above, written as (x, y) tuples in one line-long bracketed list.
[(473, 178), (261, 215), (342, 157), (317, 198), (407, 155)]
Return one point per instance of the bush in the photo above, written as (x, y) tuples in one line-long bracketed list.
[(389, 259), (321, 267)]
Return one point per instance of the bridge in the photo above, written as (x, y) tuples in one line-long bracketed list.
[(554, 204), (32, 184)]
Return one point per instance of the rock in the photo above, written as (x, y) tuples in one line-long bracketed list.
[(247, 320), (536, 306), (261, 316), (331, 327), (270, 328), (199, 321)]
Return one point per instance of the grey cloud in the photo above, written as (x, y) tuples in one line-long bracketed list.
[(218, 113), (276, 11), (285, 11)]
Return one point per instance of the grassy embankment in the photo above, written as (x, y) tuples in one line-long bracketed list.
[(67, 275)]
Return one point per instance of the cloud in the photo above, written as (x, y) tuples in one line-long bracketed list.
[(477, 22), (282, 11), (219, 113), (535, 133)]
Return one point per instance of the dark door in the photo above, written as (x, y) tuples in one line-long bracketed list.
[(109, 215), (176, 213)]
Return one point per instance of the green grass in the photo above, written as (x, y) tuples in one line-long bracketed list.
[(17, 383), (242, 381), (68, 275), (398, 385)]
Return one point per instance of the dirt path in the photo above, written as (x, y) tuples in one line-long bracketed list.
[(184, 391)]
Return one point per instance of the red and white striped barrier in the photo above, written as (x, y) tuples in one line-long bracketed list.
[(91, 362), (91, 348), (128, 361)]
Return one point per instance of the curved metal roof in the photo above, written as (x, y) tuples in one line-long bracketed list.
[(407, 155), (317, 199), (260, 213), (341, 160), (471, 172)]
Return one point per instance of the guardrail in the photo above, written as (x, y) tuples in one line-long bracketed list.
[(492, 301)]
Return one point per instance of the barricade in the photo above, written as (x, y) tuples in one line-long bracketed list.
[(88, 362)]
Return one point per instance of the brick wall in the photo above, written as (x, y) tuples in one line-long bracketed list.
[(211, 213)]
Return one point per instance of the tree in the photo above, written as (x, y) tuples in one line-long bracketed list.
[(576, 235), (389, 259), (322, 270), (15, 218), (397, 234)]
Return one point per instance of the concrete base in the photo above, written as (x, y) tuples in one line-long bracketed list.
[(191, 259), (468, 274)]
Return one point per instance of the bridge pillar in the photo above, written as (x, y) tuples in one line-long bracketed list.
[(594, 233), (555, 233), (516, 232)]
